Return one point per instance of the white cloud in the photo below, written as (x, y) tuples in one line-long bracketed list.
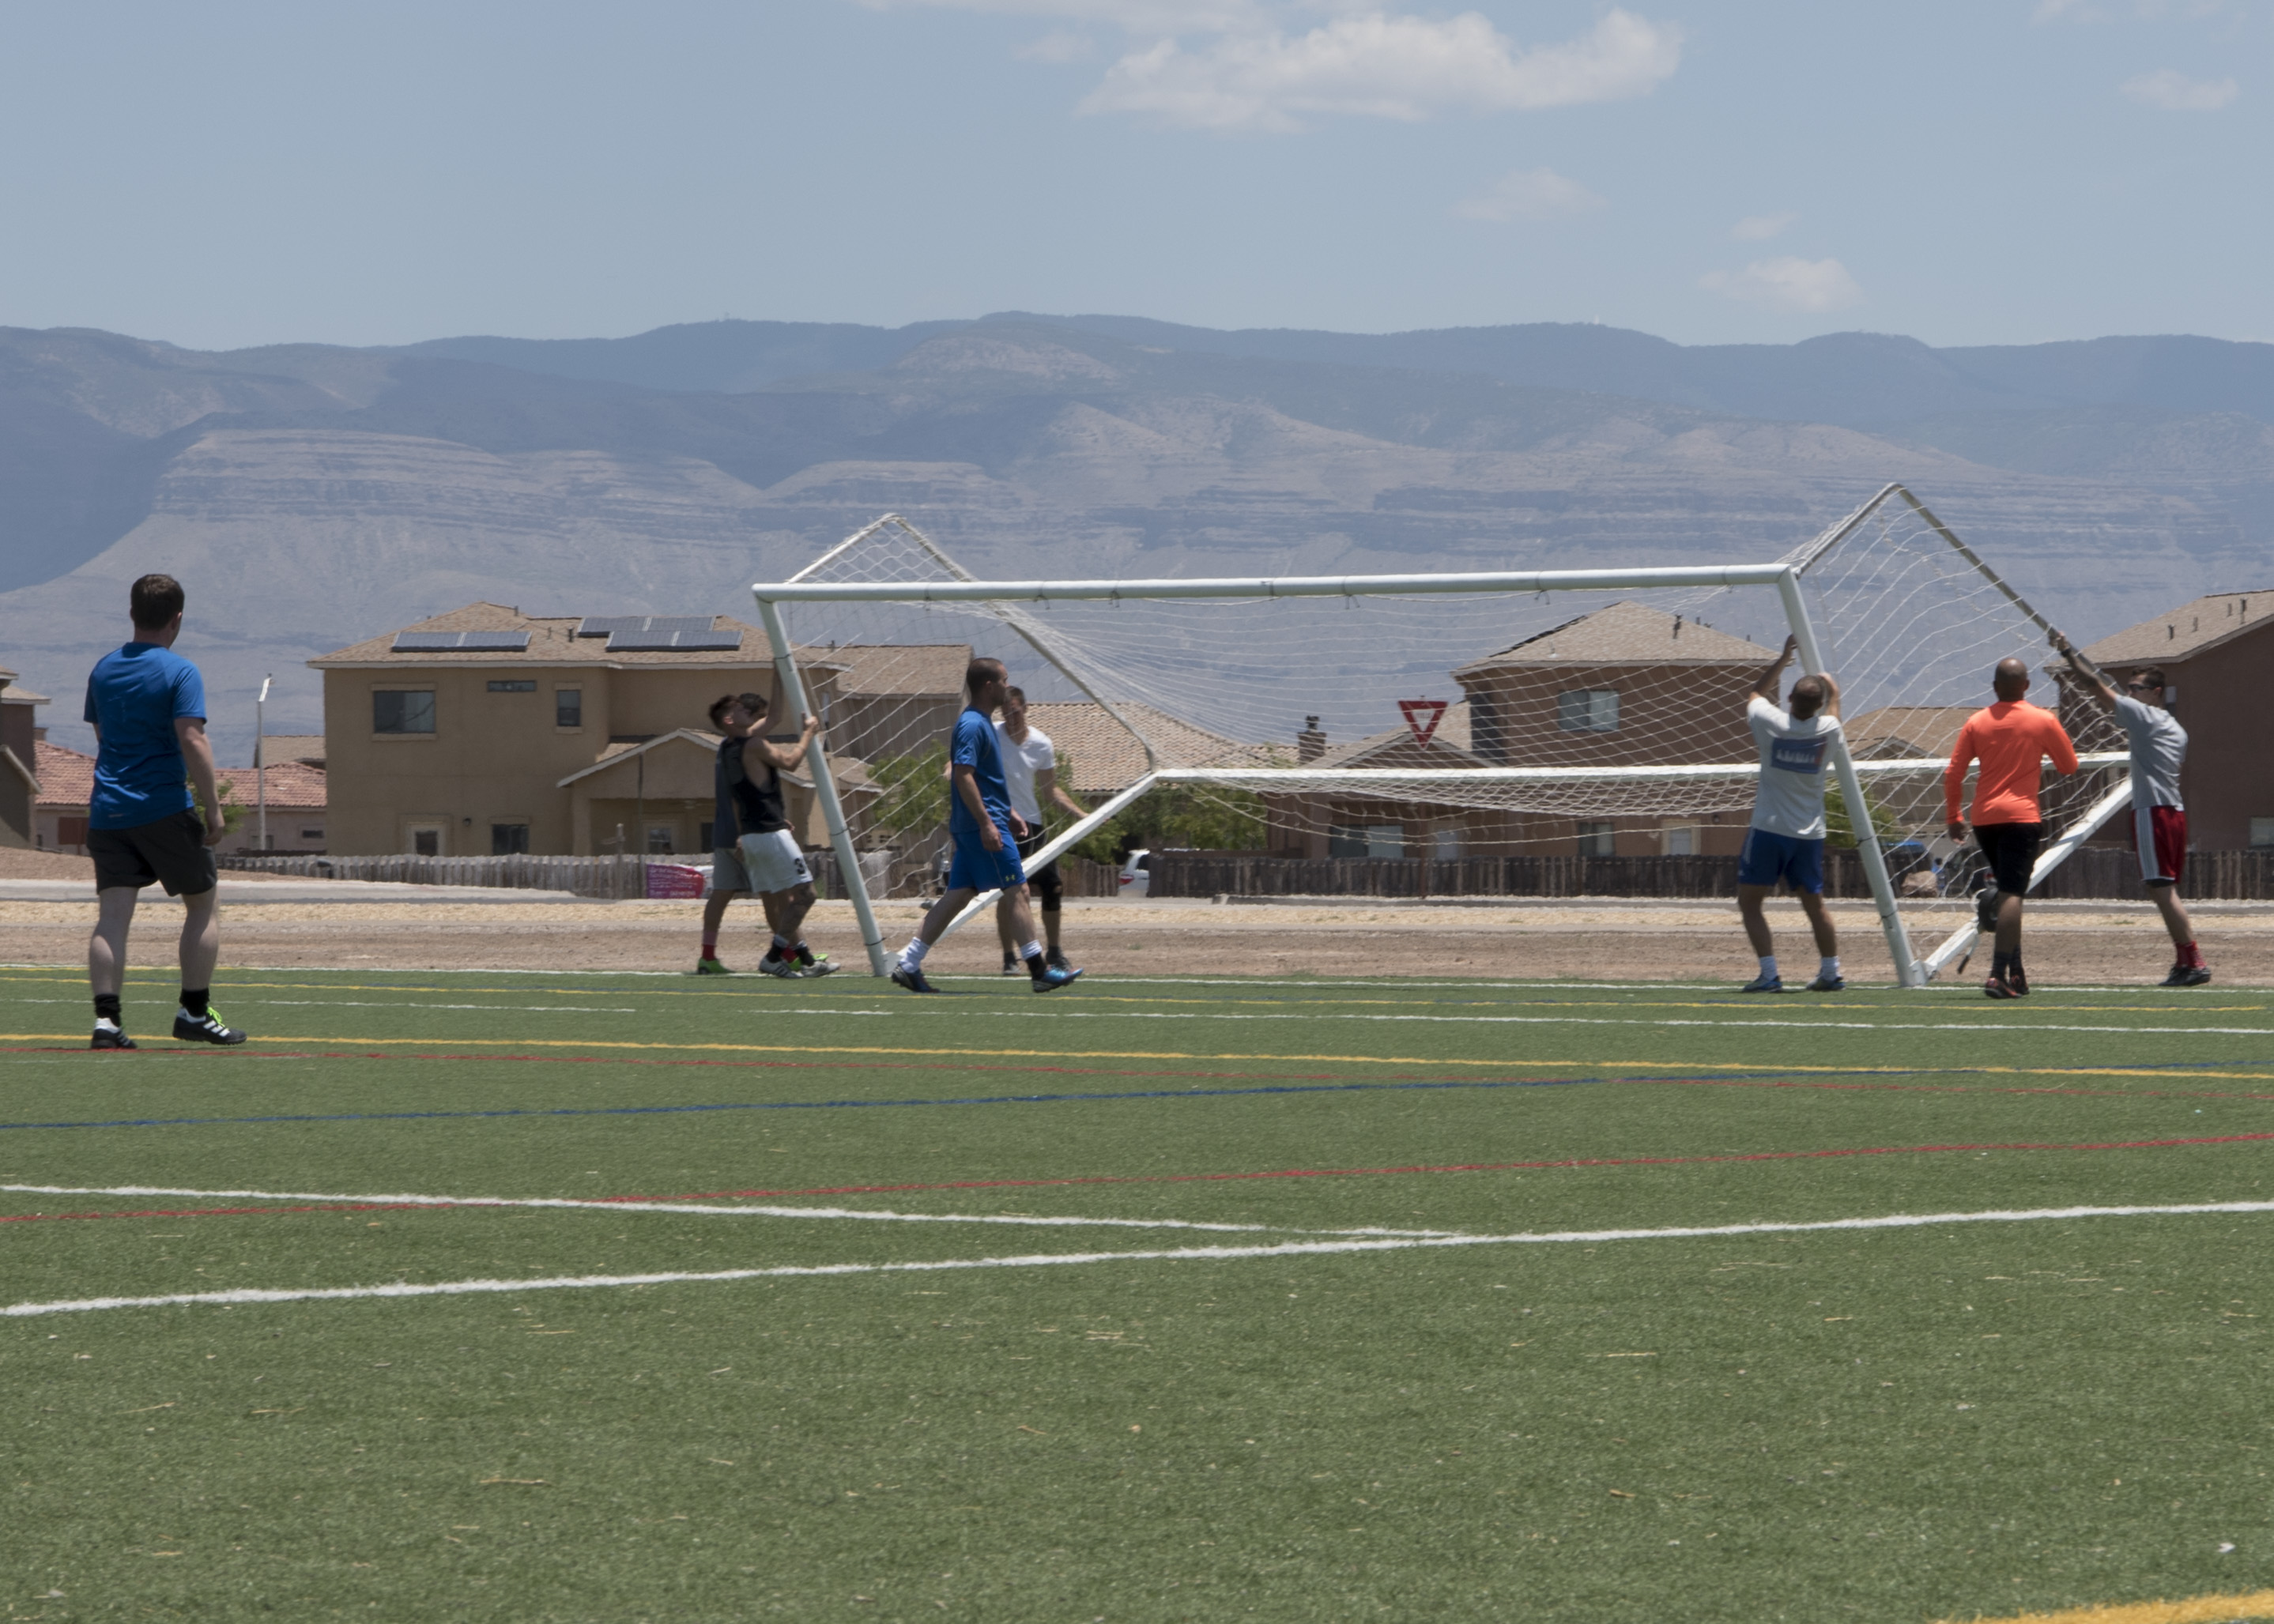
[(1530, 194), (1788, 283), (2174, 91), (1760, 228), (1378, 65)]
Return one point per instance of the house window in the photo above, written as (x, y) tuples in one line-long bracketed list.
[(1367, 840), (425, 839), (1595, 839), (659, 840), (567, 707), (1588, 710), (514, 686), (505, 840), (1446, 844), (702, 834), (1681, 840), (2261, 832), (403, 712), (312, 834)]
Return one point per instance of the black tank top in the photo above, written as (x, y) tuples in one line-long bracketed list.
[(745, 807)]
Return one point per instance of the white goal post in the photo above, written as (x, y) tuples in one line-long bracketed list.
[(1911, 610)]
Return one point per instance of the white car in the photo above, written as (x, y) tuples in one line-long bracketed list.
[(1137, 875)]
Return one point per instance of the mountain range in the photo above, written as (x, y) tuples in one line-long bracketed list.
[(311, 495)]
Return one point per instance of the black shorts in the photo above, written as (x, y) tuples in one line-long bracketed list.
[(2011, 851), (171, 852), (1044, 881)]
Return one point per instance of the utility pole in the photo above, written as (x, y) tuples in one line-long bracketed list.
[(261, 755)]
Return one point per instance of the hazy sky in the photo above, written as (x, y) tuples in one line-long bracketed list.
[(1712, 171)]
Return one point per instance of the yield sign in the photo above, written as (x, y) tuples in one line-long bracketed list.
[(1422, 716)]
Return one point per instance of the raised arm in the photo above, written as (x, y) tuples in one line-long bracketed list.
[(1830, 694), (782, 758), (1764, 686), (2095, 680)]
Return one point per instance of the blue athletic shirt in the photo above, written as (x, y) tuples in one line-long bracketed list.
[(133, 695), (975, 747)]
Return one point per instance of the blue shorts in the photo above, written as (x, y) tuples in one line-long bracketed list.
[(1768, 858), (977, 869)]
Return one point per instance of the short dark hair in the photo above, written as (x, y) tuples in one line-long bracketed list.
[(1018, 694), (755, 703), (981, 671), (154, 601), (2152, 675), (1811, 688)]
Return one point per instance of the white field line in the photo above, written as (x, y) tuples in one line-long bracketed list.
[(397, 1003), (652, 1204), (1742, 1023), (1188, 1254)]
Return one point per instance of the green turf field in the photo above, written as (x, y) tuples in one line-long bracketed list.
[(1150, 1300)]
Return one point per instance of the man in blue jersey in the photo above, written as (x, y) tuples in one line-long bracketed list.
[(985, 831), (147, 705)]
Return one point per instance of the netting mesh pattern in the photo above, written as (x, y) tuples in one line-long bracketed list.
[(1612, 719)]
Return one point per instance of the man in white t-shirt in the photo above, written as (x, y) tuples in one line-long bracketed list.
[(1786, 839), (2159, 817), (1030, 768)]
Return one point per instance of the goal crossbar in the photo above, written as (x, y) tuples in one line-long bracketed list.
[(1291, 586)]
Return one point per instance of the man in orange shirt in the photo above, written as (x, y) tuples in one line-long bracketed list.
[(2010, 739)]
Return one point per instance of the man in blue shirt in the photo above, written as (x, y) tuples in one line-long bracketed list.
[(147, 705), (985, 831)]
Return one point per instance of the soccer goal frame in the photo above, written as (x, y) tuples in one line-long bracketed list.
[(1783, 577)]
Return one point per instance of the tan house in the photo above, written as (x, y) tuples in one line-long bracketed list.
[(485, 731), (2218, 658), (19, 779)]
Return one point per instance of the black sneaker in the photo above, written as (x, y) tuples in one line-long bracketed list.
[(206, 1028), (1013, 964), (911, 977), (1056, 959), (2181, 975), (1827, 983), (114, 1037)]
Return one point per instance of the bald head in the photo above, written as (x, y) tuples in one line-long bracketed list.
[(2011, 680)]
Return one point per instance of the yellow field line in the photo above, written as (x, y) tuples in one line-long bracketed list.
[(1147, 1054), (2193, 1610)]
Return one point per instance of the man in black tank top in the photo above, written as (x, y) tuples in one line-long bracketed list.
[(752, 848)]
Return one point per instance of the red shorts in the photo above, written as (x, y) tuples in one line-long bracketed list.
[(2161, 834)]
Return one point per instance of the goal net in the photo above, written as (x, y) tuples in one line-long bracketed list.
[(1497, 732)]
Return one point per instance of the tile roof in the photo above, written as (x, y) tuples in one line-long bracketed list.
[(67, 779), (552, 641), (1098, 756), (2188, 629), (894, 668), (1895, 730), (1627, 634), (66, 776)]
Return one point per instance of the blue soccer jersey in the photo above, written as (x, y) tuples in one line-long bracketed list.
[(975, 746), (133, 695)]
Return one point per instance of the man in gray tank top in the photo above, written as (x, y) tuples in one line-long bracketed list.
[(2159, 817), (753, 849)]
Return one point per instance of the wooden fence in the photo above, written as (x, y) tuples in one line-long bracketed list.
[(2221, 875)]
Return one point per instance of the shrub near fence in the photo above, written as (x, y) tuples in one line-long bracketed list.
[(2090, 872)]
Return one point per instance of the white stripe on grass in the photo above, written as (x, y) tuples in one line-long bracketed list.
[(1187, 1254), (1740, 1023), (664, 1204)]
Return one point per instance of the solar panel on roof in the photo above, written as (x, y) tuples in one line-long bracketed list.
[(659, 625), (658, 641), (436, 642)]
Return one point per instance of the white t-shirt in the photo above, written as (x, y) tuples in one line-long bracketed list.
[(2159, 747), (1790, 799), (1021, 764)]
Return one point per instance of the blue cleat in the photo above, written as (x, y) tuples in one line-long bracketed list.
[(1764, 983), (1054, 977)]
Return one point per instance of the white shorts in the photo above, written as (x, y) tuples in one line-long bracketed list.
[(766, 862)]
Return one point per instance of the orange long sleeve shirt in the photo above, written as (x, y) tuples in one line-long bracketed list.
[(2009, 738)]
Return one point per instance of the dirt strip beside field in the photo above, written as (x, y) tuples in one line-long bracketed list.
[(2121, 943)]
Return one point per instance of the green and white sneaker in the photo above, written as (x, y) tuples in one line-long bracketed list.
[(710, 966), (813, 966), (786, 968)]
